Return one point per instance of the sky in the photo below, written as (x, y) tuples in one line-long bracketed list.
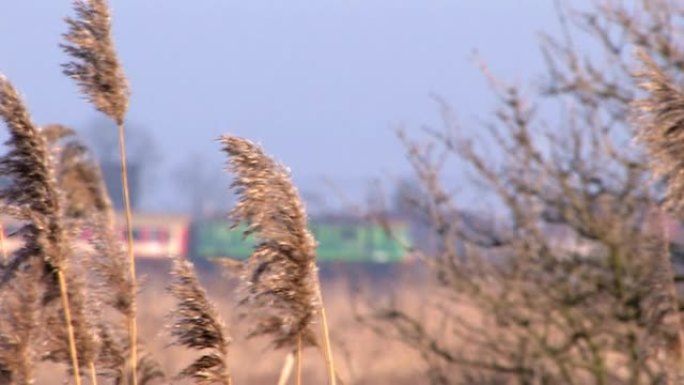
[(321, 85)]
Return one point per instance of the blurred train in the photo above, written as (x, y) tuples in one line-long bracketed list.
[(161, 236)]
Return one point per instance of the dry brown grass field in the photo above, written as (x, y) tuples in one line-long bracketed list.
[(362, 357)]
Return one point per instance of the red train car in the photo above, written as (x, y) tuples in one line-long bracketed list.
[(155, 236)]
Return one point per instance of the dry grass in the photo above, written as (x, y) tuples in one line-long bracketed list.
[(196, 325), (58, 190), (281, 279), (282, 291), (363, 357), (96, 69), (33, 196)]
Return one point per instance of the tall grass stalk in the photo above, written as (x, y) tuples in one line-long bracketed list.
[(282, 286), (286, 370), (327, 346), (299, 360), (3, 246), (34, 197), (132, 319), (70, 327), (93, 373), (100, 76), (83, 198)]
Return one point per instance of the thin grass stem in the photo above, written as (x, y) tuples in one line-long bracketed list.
[(70, 327), (132, 324), (299, 360), (3, 245), (93, 373), (327, 346), (286, 370)]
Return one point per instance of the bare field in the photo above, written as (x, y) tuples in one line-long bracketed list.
[(361, 356)]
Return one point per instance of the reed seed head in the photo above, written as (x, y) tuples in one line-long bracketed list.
[(660, 118), (196, 325), (281, 279), (95, 66)]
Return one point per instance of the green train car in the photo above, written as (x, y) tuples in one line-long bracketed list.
[(339, 240)]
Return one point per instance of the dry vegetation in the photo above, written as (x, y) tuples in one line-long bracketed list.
[(50, 289), (569, 280)]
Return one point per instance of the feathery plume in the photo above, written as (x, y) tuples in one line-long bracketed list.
[(72, 201), (96, 67), (32, 193), (87, 207), (281, 275), (660, 118), (34, 197), (100, 77), (55, 347), (196, 325), (53, 133), (147, 370), (79, 177), (113, 358), (19, 311), (88, 201)]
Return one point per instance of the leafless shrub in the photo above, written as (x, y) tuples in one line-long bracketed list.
[(569, 279)]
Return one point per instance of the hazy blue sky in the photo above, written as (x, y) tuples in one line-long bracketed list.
[(320, 84)]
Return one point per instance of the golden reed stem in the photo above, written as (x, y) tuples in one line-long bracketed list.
[(3, 246), (286, 370), (132, 324), (327, 348), (299, 359), (70, 327), (93, 373)]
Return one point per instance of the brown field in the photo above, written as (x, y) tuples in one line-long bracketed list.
[(361, 356)]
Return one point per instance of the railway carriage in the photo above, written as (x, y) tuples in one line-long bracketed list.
[(155, 236), (161, 236), (340, 239)]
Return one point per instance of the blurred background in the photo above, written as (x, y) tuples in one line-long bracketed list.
[(322, 86)]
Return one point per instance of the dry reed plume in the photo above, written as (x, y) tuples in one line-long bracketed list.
[(87, 207), (19, 325), (282, 288), (660, 120), (33, 196), (88, 203), (96, 67), (195, 324), (100, 76), (281, 273)]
